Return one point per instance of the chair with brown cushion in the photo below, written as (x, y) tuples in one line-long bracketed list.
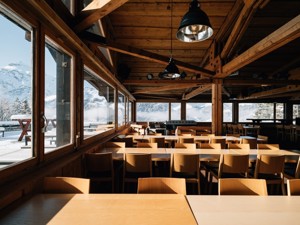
[(238, 146), (146, 145), (186, 140), (114, 144), (186, 145), (251, 141), (162, 185), (242, 186), (293, 187), (270, 168), (159, 140), (222, 141), (136, 166), (99, 168), (67, 185), (186, 166), (230, 166), (268, 146)]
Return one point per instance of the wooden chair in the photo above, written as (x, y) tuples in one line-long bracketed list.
[(186, 140), (186, 166), (292, 170), (242, 186), (67, 185), (293, 187), (99, 168), (135, 166), (162, 185), (114, 144), (222, 141), (230, 166), (252, 142), (129, 143), (238, 146), (268, 146), (186, 145), (146, 145), (159, 140), (270, 168)]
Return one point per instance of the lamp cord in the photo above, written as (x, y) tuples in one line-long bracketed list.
[(171, 5)]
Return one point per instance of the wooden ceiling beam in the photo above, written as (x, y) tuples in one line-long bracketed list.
[(96, 10), (140, 53), (285, 34), (166, 82), (164, 88), (240, 27), (260, 82), (276, 91), (197, 91)]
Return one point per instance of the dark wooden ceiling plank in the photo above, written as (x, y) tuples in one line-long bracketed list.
[(140, 53), (285, 34)]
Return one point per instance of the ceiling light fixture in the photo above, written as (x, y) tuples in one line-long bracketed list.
[(195, 25), (171, 71)]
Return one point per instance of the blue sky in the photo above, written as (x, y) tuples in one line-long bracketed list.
[(12, 35)]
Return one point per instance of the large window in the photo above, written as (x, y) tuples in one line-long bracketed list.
[(279, 110), (175, 111), (99, 105), (58, 96), (16, 76), (227, 112), (296, 111), (156, 112), (199, 112), (121, 109), (255, 111)]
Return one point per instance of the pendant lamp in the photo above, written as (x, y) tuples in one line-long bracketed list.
[(195, 25), (171, 71)]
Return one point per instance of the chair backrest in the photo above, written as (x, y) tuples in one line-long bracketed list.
[(251, 141), (159, 140), (128, 141), (71, 185), (238, 146), (162, 185), (210, 146), (242, 186), (138, 163), (293, 187), (115, 144), (98, 162), (233, 164), (185, 163), (269, 164), (268, 146), (186, 145), (186, 140), (222, 141), (146, 145)]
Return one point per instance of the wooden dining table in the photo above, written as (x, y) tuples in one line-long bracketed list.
[(164, 154), (246, 210), (106, 209)]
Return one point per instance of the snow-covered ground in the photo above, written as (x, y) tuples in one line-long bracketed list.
[(12, 150)]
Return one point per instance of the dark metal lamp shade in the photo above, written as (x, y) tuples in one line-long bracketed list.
[(195, 25), (171, 71)]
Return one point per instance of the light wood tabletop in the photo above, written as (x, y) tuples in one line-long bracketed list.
[(108, 209), (246, 210)]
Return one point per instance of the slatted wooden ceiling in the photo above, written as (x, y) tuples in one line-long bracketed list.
[(256, 39)]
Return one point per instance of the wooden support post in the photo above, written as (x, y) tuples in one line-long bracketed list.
[(217, 107)]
